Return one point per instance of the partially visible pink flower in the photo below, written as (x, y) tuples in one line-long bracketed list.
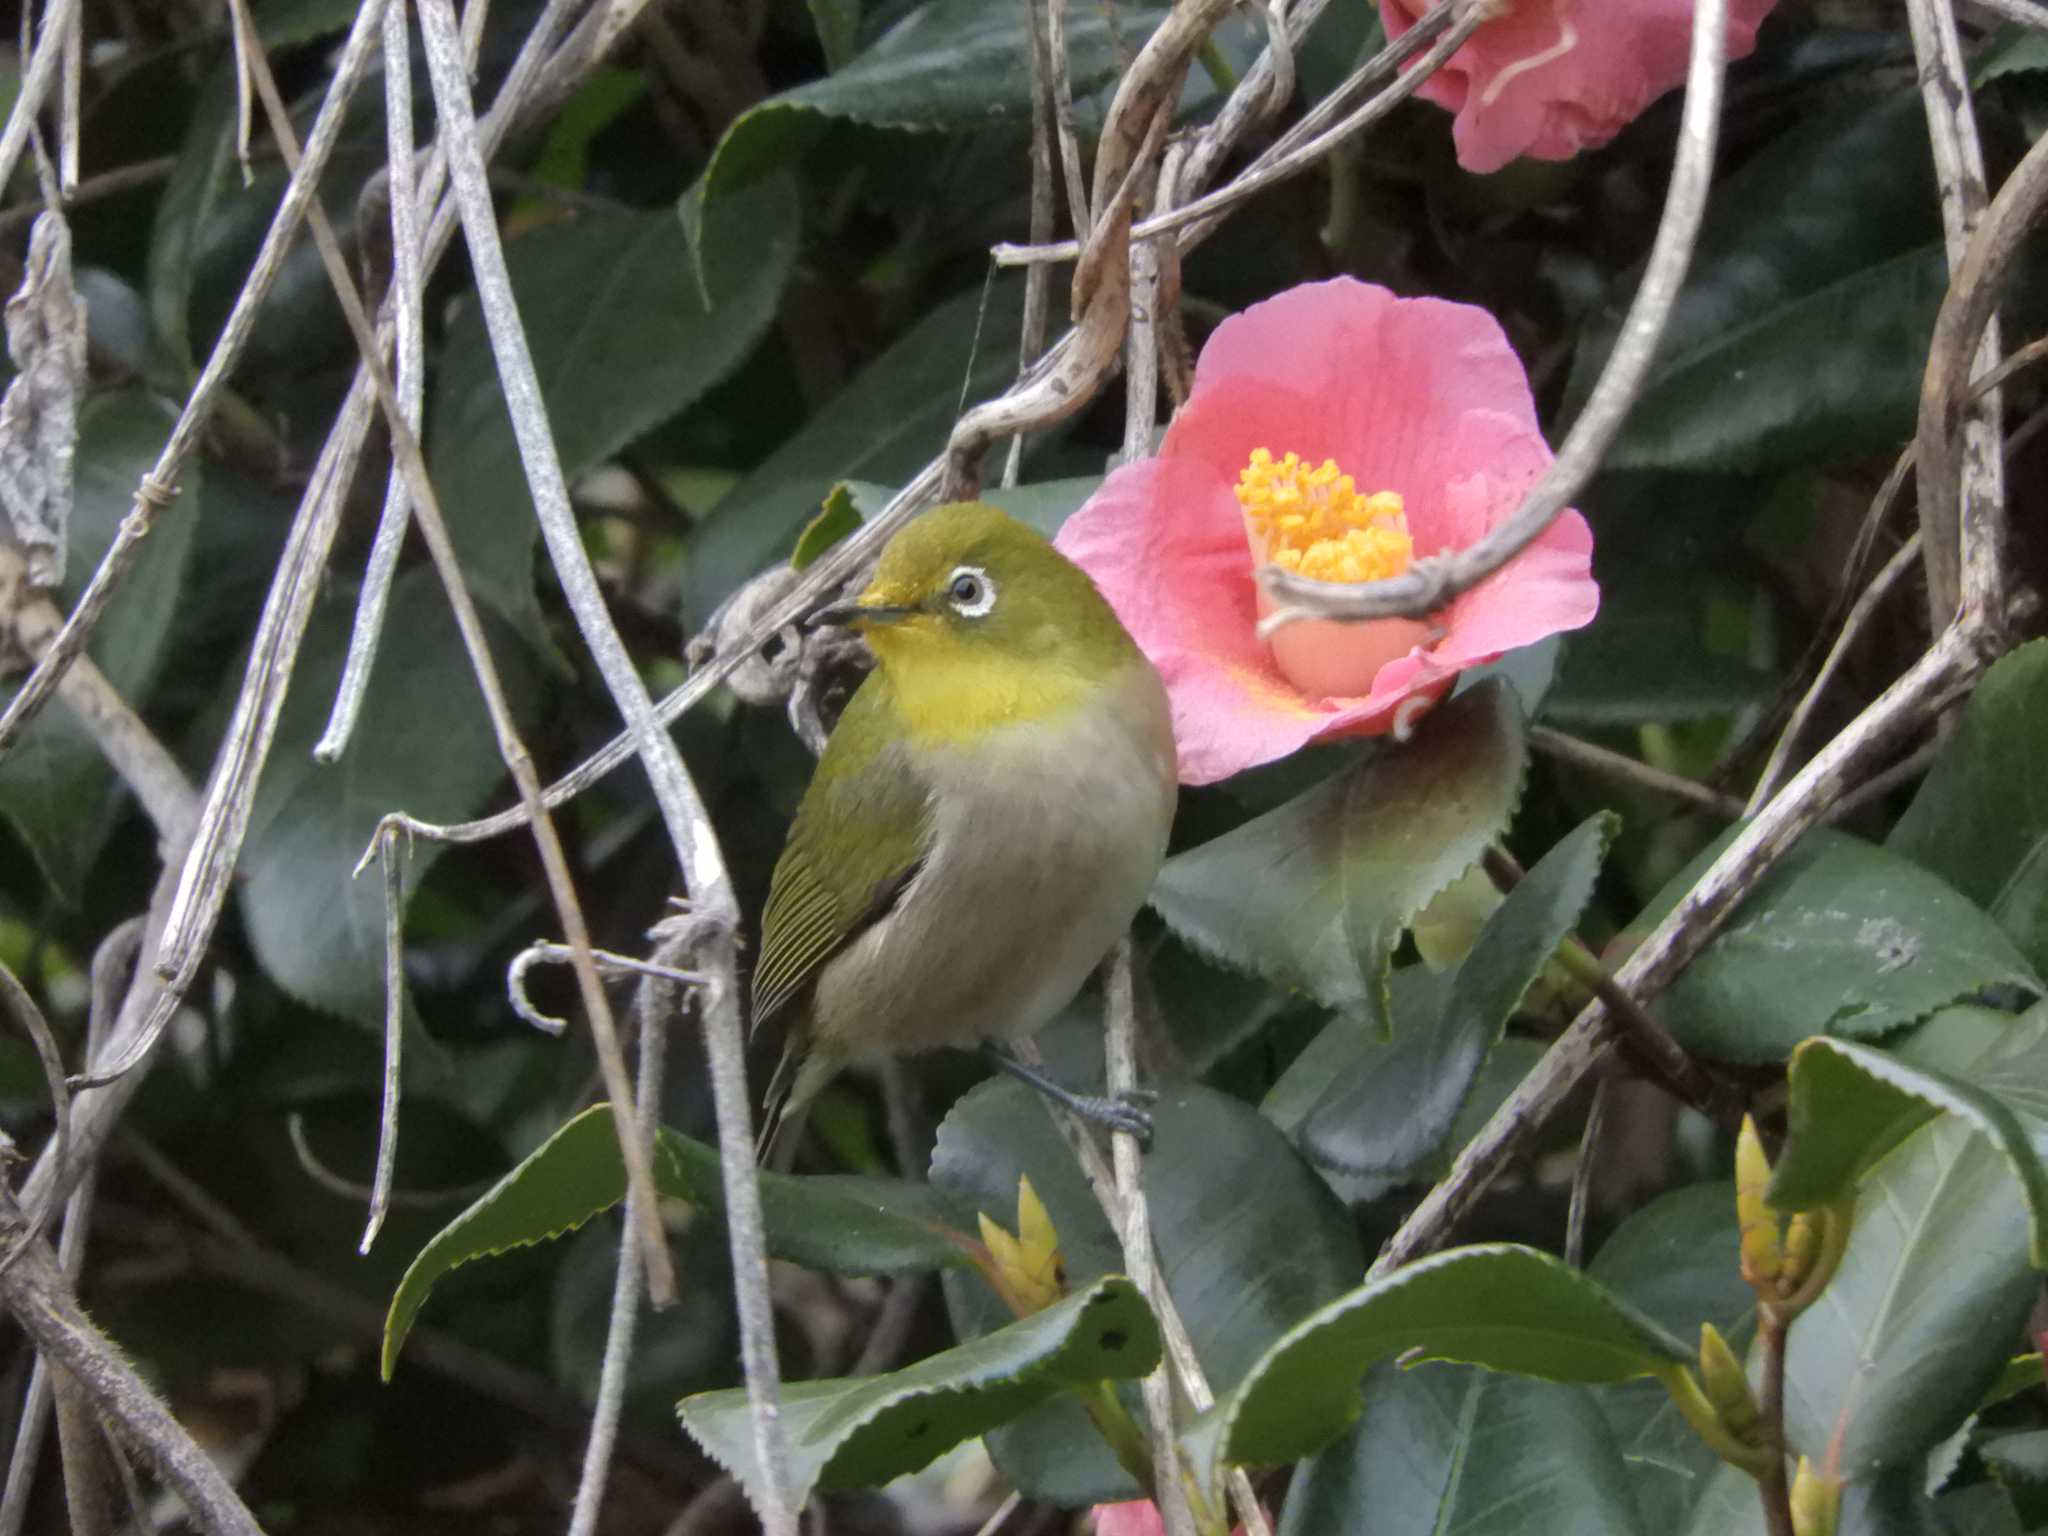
[(1422, 408), (1548, 78), (1140, 1517)]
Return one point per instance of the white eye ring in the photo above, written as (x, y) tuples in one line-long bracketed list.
[(970, 591)]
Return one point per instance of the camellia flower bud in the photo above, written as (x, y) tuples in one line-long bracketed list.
[(1030, 1271)]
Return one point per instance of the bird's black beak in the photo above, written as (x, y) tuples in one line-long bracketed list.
[(846, 615)]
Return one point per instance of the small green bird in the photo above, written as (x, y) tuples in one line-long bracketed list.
[(987, 817)]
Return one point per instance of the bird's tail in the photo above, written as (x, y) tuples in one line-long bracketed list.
[(785, 1106)]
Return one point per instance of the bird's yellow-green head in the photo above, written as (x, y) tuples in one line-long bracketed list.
[(977, 621)]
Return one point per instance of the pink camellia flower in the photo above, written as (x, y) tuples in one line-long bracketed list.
[(1341, 432), (1549, 78)]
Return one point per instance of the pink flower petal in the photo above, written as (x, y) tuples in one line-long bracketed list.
[(1140, 1517), (1549, 78)]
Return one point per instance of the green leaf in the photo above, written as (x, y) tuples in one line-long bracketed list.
[(950, 66), (1851, 1104), (423, 744), (826, 529), (861, 1433), (854, 1226), (1391, 1108), (1458, 1451), (206, 176), (56, 789), (1499, 1305), (838, 24), (1317, 893), (1921, 1315), (885, 425), (621, 341), (1678, 1260), (1983, 1509), (1980, 820), (1841, 938), (1250, 1241), (1802, 331)]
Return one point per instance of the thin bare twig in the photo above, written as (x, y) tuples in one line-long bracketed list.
[(159, 485), (1582, 1177), (658, 1001), (1959, 173), (111, 963), (689, 826), (18, 1005), (58, 19), (1636, 774), (407, 303), (1062, 81), (36, 1292), (123, 178), (1430, 583), (389, 860), (406, 453), (2028, 13), (1120, 1068), (1865, 608), (1037, 281)]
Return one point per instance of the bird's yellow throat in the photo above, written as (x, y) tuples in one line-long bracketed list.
[(949, 692)]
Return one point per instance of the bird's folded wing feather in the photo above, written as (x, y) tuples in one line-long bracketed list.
[(859, 839)]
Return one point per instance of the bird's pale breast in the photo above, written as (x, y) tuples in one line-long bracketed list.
[(1046, 838)]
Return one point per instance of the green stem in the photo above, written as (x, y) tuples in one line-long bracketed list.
[(1126, 1441)]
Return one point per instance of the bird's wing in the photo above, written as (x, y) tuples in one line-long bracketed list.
[(859, 839)]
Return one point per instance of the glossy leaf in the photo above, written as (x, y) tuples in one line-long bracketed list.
[(885, 425), (1505, 1307), (1841, 938), (1249, 1239), (860, 1433), (56, 788), (1980, 820), (1458, 1451), (949, 66), (1850, 1104), (854, 1226), (1678, 1261), (1388, 1110), (423, 744), (1317, 893), (621, 341), (1803, 327), (1921, 1316)]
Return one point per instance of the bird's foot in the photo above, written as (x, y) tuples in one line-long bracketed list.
[(1128, 1113)]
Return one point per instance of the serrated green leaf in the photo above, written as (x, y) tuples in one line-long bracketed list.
[(56, 788), (1388, 1110), (1457, 1451), (1249, 1241), (1851, 1104), (1317, 893), (1921, 1314), (423, 744), (1842, 938), (1499, 1305), (885, 425), (621, 341), (855, 1226), (1980, 820), (861, 1433)]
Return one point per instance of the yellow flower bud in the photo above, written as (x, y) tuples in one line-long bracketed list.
[(1727, 1387), (1762, 1250), (1030, 1272), (1816, 1502)]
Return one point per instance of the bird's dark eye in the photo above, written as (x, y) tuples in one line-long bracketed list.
[(970, 591)]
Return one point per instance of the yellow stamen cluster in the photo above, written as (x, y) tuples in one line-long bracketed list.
[(1313, 521)]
